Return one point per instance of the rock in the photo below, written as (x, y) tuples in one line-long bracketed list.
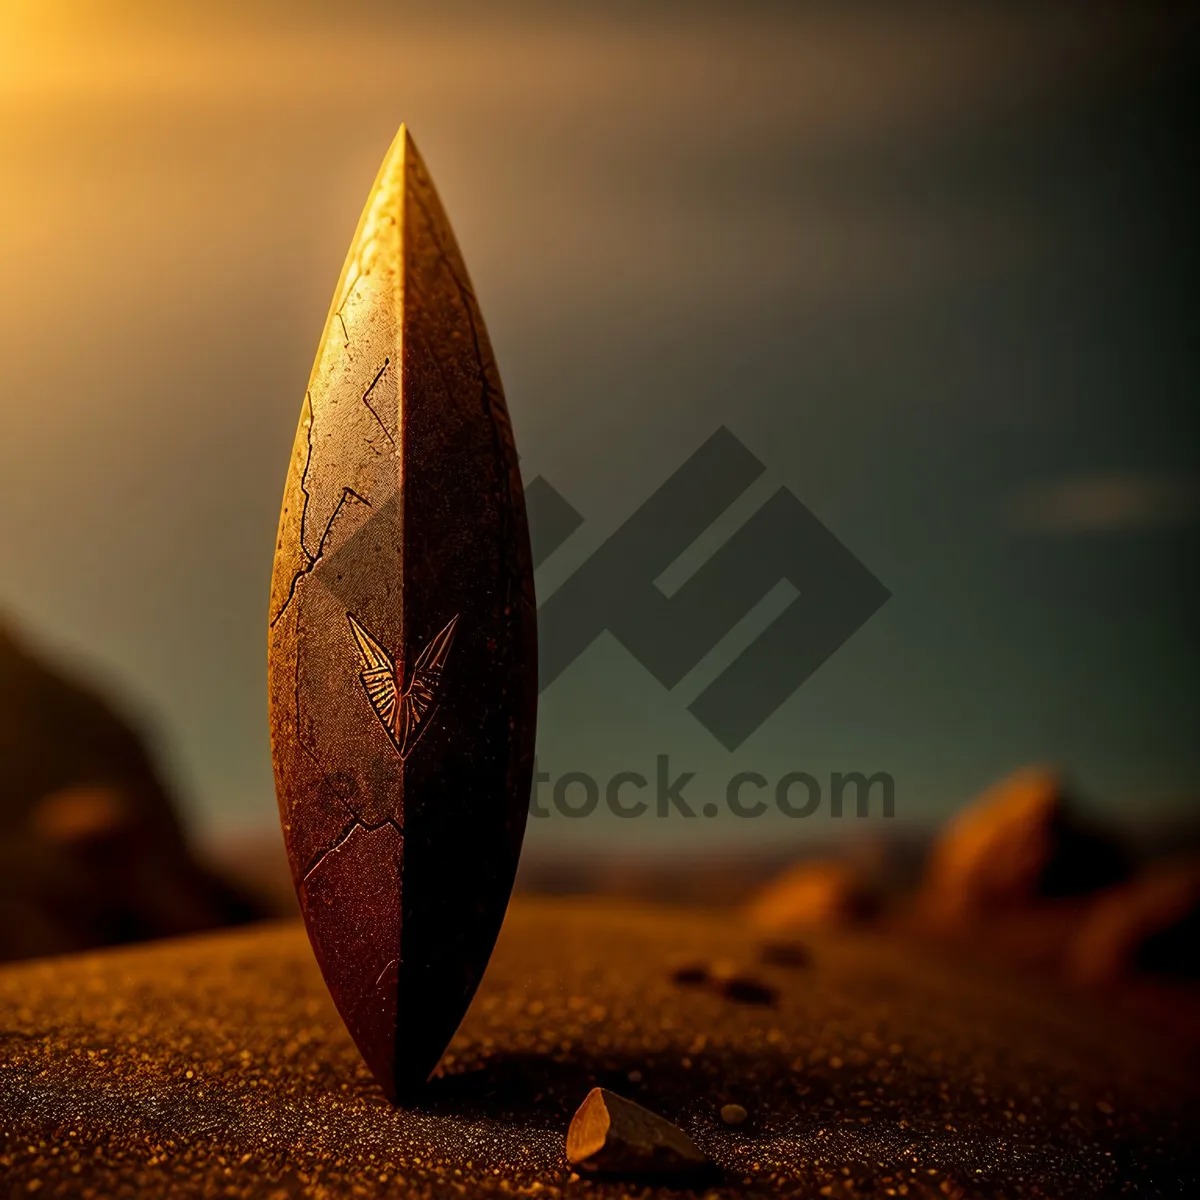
[(793, 956), (814, 893), (614, 1136), (724, 979), (745, 989), (1020, 841), (695, 974), (76, 816), (1149, 925), (733, 1114), (91, 850)]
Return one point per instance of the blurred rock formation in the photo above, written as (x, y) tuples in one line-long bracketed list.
[(1020, 842), (1149, 925), (92, 852), (814, 893)]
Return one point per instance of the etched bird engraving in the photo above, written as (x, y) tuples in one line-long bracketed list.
[(403, 708)]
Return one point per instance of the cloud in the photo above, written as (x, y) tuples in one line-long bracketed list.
[(1104, 504)]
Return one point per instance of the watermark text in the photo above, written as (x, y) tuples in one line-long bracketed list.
[(664, 792)]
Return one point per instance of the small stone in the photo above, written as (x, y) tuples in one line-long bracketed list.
[(733, 1114), (745, 989), (615, 1136), (694, 974), (792, 955)]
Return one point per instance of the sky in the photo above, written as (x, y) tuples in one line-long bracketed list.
[(934, 267)]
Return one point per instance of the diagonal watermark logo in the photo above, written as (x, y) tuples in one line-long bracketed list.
[(615, 588)]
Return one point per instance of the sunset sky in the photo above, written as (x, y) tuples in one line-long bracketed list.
[(935, 268)]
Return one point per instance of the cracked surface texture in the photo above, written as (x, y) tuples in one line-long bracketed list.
[(217, 1066), (403, 509)]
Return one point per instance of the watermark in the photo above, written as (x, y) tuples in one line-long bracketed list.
[(663, 792), (615, 588)]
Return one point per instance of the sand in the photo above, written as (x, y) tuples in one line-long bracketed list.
[(216, 1065)]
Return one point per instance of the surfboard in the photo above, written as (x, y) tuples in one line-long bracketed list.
[(402, 661)]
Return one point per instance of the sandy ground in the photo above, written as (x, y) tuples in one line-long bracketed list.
[(216, 1065)]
